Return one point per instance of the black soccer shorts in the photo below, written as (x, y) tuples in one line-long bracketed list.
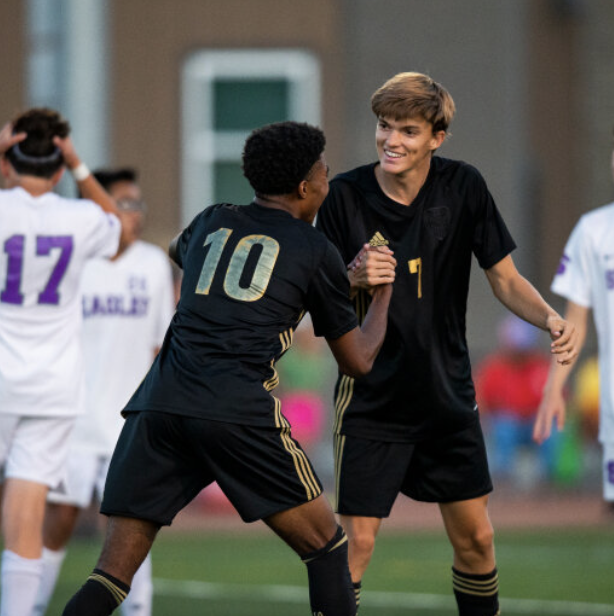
[(162, 461), (448, 468)]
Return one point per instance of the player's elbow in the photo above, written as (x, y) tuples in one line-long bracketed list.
[(354, 354), (357, 367)]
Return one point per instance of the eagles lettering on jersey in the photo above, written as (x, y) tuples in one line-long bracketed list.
[(249, 273), (421, 380), (114, 305), (128, 303)]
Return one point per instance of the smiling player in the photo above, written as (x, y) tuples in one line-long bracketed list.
[(411, 425)]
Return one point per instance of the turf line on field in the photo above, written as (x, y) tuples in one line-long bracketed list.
[(298, 594)]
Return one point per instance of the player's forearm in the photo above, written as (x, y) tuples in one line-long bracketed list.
[(91, 189), (373, 329), (557, 377), (356, 350), (520, 297), (89, 186)]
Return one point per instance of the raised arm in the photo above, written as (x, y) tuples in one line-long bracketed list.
[(89, 186), (356, 351), (552, 406), (518, 295)]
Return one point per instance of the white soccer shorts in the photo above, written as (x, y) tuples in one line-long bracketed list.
[(35, 448), (86, 474)]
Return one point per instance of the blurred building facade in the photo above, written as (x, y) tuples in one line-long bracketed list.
[(173, 86)]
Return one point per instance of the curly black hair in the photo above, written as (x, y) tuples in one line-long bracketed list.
[(107, 177), (37, 154), (278, 157)]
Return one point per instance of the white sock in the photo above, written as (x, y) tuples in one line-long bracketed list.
[(139, 599), (52, 564), (20, 579)]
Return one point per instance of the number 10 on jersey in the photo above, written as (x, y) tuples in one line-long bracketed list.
[(262, 272)]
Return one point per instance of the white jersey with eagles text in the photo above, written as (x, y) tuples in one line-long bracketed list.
[(586, 277), (127, 306), (45, 242)]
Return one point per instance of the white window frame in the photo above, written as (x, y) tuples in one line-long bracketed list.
[(202, 145)]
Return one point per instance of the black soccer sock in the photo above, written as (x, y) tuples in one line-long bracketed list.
[(330, 586), (476, 594), (99, 596), (357, 588)]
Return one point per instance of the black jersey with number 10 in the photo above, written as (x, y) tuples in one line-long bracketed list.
[(249, 274), (421, 381)]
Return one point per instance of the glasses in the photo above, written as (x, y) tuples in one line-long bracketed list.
[(131, 205)]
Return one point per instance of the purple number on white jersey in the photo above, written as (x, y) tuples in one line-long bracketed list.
[(44, 245), (562, 265), (14, 247)]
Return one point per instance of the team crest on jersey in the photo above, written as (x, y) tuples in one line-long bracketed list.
[(378, 240), (437, 221)]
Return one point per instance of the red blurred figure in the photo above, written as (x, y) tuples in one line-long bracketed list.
[(509, 386)]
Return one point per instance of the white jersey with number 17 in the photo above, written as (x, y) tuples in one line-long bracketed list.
[(45, 242), (586, 277)]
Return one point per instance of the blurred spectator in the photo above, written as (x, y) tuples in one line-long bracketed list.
[(509, 386)]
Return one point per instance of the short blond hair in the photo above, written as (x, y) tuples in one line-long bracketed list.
[(410, 95)]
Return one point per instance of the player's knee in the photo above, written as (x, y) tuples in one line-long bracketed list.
[(362, 543), (483, 539), (59, 524), (476, 545), (330, 586)]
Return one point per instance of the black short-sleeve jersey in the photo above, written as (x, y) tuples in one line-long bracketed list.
[(250, 273), (421, 381)]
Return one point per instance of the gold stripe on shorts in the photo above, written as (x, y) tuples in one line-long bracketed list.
[(339, 445), (301, 463), (345, 391)]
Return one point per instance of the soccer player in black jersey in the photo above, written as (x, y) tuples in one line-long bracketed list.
[(411, 425), (205, 411)]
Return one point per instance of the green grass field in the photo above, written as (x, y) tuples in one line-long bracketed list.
[(568, 573)]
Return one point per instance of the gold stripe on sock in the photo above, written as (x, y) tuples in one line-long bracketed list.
[(478, 586), (482, 588), (118, 594), (339, 543), (460, 576)]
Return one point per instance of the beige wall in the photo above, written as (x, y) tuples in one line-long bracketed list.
[(556, 139), (147, 57), (596, 103), (534, 87), (12, 63)]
